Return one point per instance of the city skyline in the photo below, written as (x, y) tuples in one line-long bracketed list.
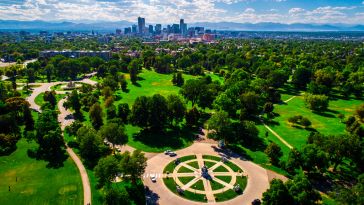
[(170, 11)]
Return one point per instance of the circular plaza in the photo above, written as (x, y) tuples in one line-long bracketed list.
[(204, 174), (204, 178)]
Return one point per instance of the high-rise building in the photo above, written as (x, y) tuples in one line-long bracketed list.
[(158, 29), (175, 28), (118, 32), (134, 28), (150, 29), (141, 25), (183, 27), (127, 30)]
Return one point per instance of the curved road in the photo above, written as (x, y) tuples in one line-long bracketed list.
[(65, 118)]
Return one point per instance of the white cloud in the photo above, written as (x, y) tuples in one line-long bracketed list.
[(249, 10), (168, 11), (295, 11)]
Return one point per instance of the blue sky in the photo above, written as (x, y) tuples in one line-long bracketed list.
[(168, 11)]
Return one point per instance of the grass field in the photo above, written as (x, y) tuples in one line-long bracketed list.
[(327, 122), (37, 184)]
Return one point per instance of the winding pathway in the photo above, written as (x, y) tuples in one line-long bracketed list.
[(65, 118)]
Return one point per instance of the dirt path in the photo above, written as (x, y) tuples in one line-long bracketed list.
[(277, 135)]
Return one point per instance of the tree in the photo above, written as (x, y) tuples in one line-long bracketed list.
[(191, 90), (353, 195), (221, 124), (140, 112), (133, 68), (316, 102), (106, 170), (192, 117), (28, 119), (109, 101), (305, 122), (158, 112), (111, 112), (123, 85), (176, 109), (117, 196), (302, 190), (250, 102), (178, 79), (301, 77), (294, 160), (268, 108), (225, 103), (50, 96), (277, 194), (49, 136), (73, 101), (7, 143), (114, 133), (96, 115), (274, 152), (360, 112), (314, 158), (133, 165), (123, 112), (91, 146)]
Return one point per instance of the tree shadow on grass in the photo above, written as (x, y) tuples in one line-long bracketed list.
[(166, 138), (55, 160), (289, 90), (324, 114)]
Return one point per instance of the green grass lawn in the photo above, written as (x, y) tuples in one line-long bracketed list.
[(185, 180), (198, 185), (37, 184), (194, 164), (326, 123), (171, 185), (233, 166), (220, 169), (211, 157), (227, 195), (184, 170), (209, 164), (159, 142), (39, 99), (216, 185)]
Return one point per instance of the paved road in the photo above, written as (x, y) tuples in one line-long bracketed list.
[(258, 177), (65, 118)]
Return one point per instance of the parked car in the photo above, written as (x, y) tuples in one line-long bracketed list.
[(153, 178), (172, 154), (167, 152)]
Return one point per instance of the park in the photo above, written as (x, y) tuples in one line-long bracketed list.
[(234, 134)]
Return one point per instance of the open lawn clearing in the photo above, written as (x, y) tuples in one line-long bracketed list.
[(32, 182)]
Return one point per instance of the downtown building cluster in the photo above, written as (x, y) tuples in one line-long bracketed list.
[(174, 32)]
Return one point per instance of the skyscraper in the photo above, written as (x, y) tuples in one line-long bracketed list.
[(141, 25), (134, 29), (158, 29), (183, 27), (151, 31)]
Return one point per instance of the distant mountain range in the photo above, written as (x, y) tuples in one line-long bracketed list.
[(111, 26)]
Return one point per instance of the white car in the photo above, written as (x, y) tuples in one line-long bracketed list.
[(167, 152), (153, 178)]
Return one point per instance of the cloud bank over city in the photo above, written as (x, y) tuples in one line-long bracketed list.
[(167, 11)]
